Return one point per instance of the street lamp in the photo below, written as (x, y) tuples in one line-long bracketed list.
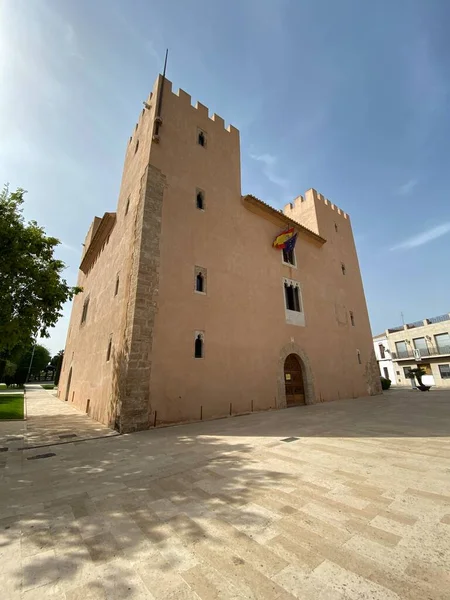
[(31, 361)]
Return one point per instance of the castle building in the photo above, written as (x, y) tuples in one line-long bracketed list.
[(188, 312)]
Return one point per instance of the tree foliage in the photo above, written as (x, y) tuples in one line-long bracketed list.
[(32, 290), (18, 372), (416, 373), (385, 383), (57, 362)]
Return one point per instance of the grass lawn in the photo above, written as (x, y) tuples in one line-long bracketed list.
[(48, 386), (11, 406)]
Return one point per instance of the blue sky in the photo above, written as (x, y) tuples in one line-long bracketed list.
[(349, 97)]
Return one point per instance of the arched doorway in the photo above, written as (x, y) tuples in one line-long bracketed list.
[(68, 385), (293, 381)]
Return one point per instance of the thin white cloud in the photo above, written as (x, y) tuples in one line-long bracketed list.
[(407, 187), (424, 238), (71, 41), (69, 247), (269, 161), (424, 71)]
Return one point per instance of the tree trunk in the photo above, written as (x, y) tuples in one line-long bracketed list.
[(2, 368)]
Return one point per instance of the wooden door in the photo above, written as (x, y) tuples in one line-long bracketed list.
[(293, 380)]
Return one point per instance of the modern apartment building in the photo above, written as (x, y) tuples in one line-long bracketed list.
[(422, 343), (384, 359)]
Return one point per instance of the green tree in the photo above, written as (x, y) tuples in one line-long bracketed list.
[(416, 373), (41, 358), (32, 290), (57, 361)]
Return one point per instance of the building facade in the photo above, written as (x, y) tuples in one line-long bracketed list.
[(187, 310), (422, 343), (384, 359)]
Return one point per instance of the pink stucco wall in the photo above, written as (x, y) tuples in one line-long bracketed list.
[(242, 314)]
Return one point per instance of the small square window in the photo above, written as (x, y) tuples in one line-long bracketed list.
[(201, 138), (289, 257)]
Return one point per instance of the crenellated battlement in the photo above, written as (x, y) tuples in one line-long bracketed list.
[(312, 194), (202, 110), (184, 99), (327, 202), (316, 212)]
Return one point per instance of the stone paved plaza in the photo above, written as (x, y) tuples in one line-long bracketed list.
[(357, 507)]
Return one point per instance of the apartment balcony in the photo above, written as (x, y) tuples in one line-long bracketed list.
[(422, 353)]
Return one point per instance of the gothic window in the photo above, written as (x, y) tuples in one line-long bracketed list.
[(292, 297)]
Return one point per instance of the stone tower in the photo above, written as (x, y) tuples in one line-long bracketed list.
[(183, 313)]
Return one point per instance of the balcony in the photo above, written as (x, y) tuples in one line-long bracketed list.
[(423, 353)]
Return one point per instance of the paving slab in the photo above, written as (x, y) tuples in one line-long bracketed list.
[(356, 506), (48, 421)]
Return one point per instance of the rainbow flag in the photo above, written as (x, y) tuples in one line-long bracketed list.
[(282, 239)]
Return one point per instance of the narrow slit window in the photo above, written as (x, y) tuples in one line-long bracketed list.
[(335, 227), (201, 138), (343, 268), (85, 311), (198, 349), (199, 283), (200, 201), (127, 207), (136, 147), (352, 319), (116, 291), (108, 352), (358, 353)]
